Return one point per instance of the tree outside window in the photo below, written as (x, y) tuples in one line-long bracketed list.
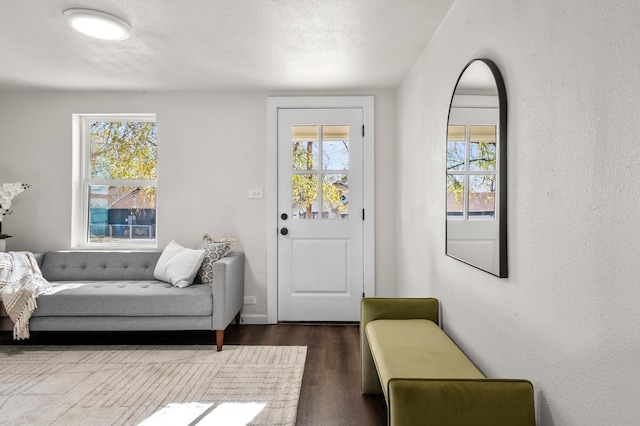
[(121, 179)]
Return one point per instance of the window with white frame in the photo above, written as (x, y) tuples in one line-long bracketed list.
[(116, 191), (472, 166)]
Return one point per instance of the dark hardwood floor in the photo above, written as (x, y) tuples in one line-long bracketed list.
[(330, 393)]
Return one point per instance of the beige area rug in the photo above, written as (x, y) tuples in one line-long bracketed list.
[(150, 385)]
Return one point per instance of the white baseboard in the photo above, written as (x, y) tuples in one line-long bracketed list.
[(259, 319)]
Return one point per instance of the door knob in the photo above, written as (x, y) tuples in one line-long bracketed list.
[(284, 231), (284, 216)]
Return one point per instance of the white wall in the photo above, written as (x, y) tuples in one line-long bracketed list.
[(211, 151), (567, 318)]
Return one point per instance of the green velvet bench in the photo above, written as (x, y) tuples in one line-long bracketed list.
[(425, 378)]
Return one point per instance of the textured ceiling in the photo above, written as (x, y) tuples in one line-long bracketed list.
[(219, 44)]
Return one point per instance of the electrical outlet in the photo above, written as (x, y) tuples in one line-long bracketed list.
[(250, 300)]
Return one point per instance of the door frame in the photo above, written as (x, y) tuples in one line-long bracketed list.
[(274, 103)]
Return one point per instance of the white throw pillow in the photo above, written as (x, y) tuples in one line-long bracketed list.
[(178, 265)]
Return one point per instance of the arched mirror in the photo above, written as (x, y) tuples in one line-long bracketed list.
[(477, 169)]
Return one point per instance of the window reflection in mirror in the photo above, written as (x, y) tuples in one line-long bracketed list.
[(476, 169)]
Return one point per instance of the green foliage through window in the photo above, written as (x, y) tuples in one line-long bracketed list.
[(123, 150)]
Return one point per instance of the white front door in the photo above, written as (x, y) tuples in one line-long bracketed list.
[(320, 214)]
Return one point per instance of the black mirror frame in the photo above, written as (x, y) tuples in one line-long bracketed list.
[(502, 172)]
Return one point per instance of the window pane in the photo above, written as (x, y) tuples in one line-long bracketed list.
[(335, 147), (121, 213), (482, 197), (456, 133), (482, 156), (335, 196), (304, 152), (304, 194), (455, 155), (482, 133), (455, 196), (123, 150), (482, 149), (456, 147), (335, 155), (335, 133)]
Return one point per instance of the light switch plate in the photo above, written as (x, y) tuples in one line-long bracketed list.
[(256, 193)]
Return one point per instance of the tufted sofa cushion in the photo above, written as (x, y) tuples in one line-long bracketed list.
[(124, 298), (99, 266), (113, 284)]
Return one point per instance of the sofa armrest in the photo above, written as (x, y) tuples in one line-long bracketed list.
[(461, 402), (228, 289), (374, 308)]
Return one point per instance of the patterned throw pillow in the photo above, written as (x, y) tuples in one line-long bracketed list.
[(213, 250)]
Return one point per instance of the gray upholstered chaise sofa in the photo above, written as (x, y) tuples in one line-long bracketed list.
[(117, 291)]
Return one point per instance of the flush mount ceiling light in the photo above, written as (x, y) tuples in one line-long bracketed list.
[(95, 23)]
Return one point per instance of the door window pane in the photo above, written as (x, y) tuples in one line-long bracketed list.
[(335, 147), (335, 133), (482, 133), (482, 156), (335, 155), (456, 147), (455, 155), (482, 148), (455, 196), (335, 196), (482, 197), (305, 149), (304, 194)]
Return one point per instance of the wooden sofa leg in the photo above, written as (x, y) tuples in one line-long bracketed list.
[(238, 318), (219, 339)]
